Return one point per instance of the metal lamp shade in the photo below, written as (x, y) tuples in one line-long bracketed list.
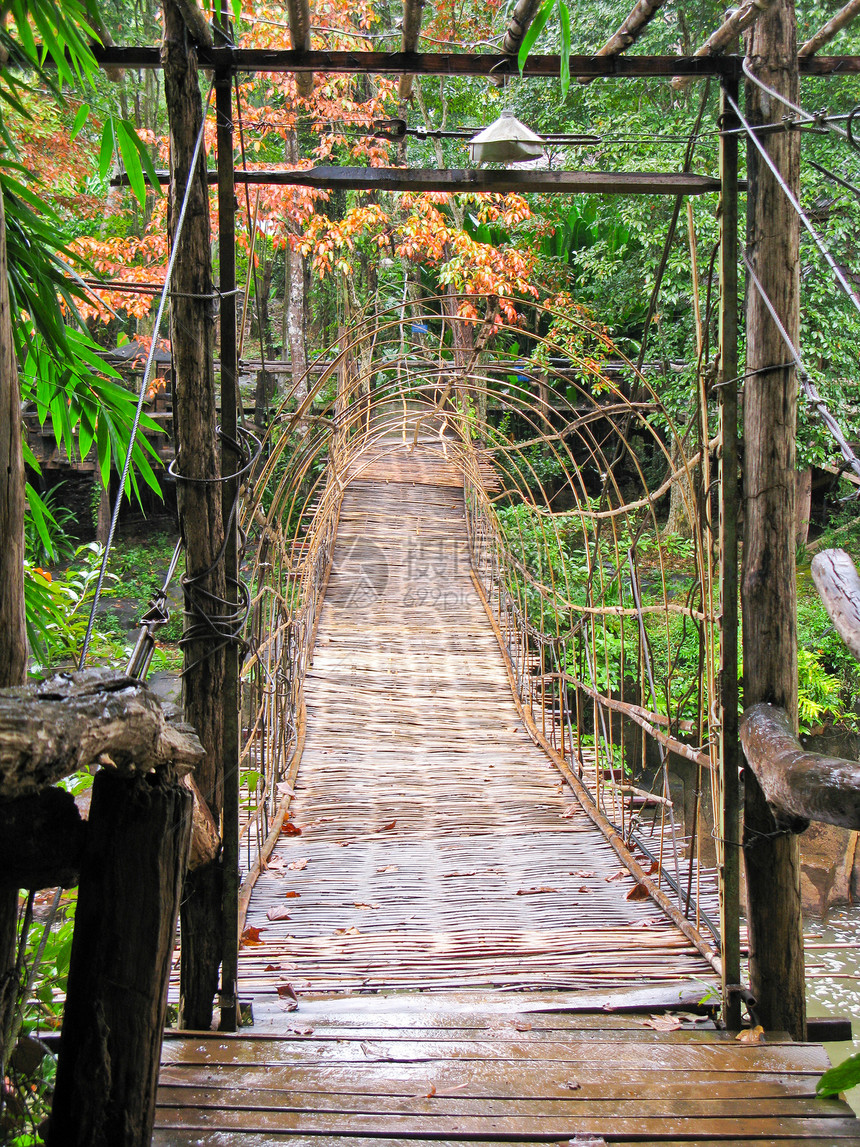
[(505, 141)]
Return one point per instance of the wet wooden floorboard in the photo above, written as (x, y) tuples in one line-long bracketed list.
[(440, 860)]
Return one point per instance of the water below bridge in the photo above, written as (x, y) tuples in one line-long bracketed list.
[(449, 951)]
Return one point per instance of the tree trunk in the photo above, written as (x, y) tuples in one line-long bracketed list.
[(769, 593), (199, 498), (13, 631), (113, 1021)]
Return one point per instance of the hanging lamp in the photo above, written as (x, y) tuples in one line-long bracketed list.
[(506, 141)]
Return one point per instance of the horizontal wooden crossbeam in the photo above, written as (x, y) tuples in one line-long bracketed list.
[(458, 64), (466, 179)]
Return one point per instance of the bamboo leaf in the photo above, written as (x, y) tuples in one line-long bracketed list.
[(564, 15), (80, 119), (535, 29), (106, 152)]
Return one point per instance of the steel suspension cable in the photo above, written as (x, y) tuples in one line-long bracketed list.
[(795, 203), (806, 382), (198, 147)]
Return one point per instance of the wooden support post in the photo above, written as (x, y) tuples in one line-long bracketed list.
[(199, 497), (229, 466), (13, 631), (139, 830), (769, 591), (729, 747)]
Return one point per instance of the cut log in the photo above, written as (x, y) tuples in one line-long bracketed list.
[(799, 786), (117, 991), (66, 723), (838, 585)]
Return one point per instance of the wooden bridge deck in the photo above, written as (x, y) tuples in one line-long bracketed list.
[(441, 927)]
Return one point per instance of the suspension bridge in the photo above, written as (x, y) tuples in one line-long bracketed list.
[(480, 907)]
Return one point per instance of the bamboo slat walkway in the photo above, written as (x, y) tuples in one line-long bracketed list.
[(431, 845)]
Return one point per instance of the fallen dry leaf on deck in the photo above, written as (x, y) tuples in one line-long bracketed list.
[(301, 1031), (388, 868), (292, 894), (387, 827), (533, 891), (654, 868), (298, 865), (751, 1035), (619, 875), (583, 888), (522, 1027), (251, 938), (427, 1094), (367, 907), (572, 1085), (448, 875), (272, 968), (290, 829), (278, 914), (662, 1023), (637, 892), (287, 990), (582, 875), (351, 931)]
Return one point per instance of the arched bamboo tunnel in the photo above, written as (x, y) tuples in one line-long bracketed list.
[(587, 518)]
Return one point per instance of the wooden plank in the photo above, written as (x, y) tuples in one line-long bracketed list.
[(575, 1105), (678, 1057), (481, 1080), (178, 1138), (472, 179), (473, 1127)]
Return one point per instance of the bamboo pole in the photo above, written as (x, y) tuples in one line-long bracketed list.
[(629, 32), (824, 35)]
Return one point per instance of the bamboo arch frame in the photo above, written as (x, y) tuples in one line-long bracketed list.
[(577, 621)]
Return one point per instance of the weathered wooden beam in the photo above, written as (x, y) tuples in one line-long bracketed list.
[(799, 786), (629, 32), (68, 722), (484, 64), (413, 11), (120, 963), (833, 26), (459, 64), (838, 585), (475, 179)]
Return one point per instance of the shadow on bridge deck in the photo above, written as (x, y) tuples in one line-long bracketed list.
[(449, 951)]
